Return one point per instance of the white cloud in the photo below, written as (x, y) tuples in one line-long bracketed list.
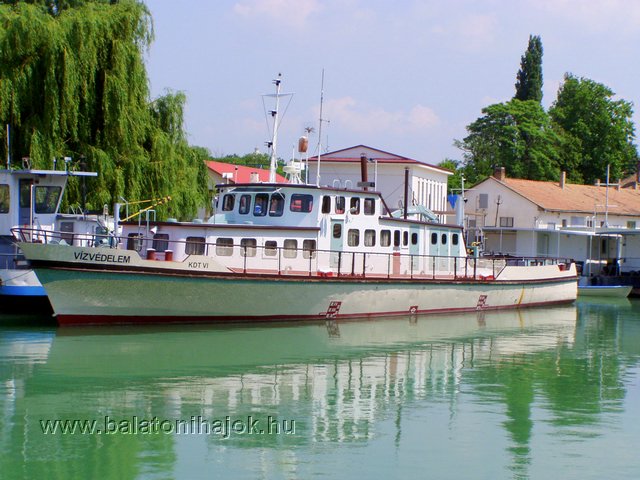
[(288, 12), (348, 114)]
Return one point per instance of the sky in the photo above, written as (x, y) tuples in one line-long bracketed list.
[(403, 76)]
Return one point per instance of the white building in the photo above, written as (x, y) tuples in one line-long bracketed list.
[(427, 183), (594, 224)]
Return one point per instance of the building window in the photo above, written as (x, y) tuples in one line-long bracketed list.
[(5, 199), (270, 248), (290, 248), (245, 204), (631, 225), (160, 242), (506, 221), (369, 206), (308, 249), (564, 223), (385, 238), (276, 207), (260, 205), (194, 246), (354, 206), (248, 247), (326, 204), (589, 222), (224, 247), (353, 237), (340, 204), (228, 201), (369, 238), (483, 200), (301, 202)]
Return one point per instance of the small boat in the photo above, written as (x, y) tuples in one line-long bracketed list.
[(618, 291), (31, 198)]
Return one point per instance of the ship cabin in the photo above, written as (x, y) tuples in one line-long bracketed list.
[(299, 228)]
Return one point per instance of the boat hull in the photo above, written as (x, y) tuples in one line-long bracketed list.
[(82, 297), (102, 286), (617, 291)]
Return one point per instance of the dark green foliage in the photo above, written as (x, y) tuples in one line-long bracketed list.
[(517, 135), (529, 84), (599, 128), (73, 83)]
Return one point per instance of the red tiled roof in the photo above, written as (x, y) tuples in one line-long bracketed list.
[(242, 173), (576, 198)]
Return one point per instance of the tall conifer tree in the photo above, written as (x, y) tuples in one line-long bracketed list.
[(529, 84)]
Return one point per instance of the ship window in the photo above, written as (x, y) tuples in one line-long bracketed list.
[(385, 238), (224, 247), (337, 230), (326, 204), (434, 238), (260, 206), (396, 238), (444, 239), (339, 204), (5, 199), (353, 237), (134, 242), (454, 239), (369, 206), (160, 242), (354, 206), (194, 246), (301, 202), (414, 239), (277, 205), (25, 193), (245, 204), (47, 199), (228, 201), (290, 248), (309, 248), (270, 248), (369, 238), (405, 238), (248, 247)]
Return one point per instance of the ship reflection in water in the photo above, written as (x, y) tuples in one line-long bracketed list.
[(504, 394)]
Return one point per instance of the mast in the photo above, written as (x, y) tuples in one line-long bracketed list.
[(320, 131), (274, 138)]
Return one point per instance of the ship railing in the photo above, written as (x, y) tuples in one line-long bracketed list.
[(302, 259)]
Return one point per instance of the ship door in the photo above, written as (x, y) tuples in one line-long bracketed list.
[(414, 248), (26, 202), (337, 241)]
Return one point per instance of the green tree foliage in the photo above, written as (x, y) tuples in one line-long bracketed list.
[(598, 127), (73, 83), (517, 135), (454, 182), (529, 84)]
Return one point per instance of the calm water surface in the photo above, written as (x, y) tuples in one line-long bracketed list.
[(542, 393)]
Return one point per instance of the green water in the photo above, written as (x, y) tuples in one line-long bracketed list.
[(542, 393)]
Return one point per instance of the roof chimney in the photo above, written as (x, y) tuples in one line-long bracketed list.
[(563, 179), (499, 173), (254, 177)]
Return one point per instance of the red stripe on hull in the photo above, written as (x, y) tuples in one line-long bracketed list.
[(77, 320)]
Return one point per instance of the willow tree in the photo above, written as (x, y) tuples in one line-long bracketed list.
[(73, 84)]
